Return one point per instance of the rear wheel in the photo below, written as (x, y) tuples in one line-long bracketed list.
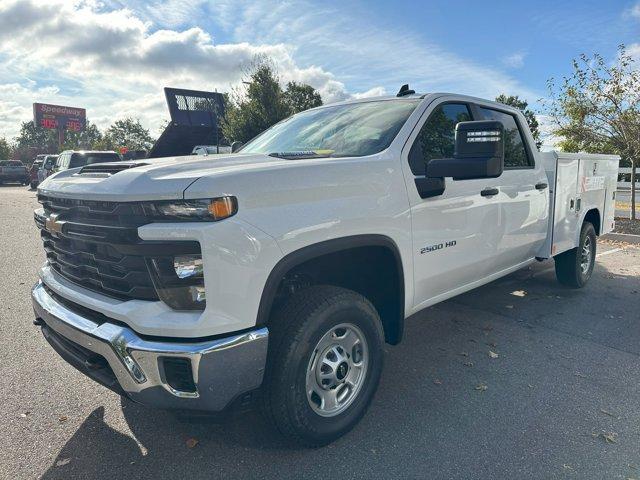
[(575, 267), (325, 360)]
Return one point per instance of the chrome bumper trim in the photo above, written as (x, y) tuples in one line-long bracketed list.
[(222, 369)]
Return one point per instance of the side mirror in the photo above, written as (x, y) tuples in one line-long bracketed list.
[(479, 152), (235, 146)]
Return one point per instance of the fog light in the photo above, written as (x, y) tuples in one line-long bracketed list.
[(188, 266)]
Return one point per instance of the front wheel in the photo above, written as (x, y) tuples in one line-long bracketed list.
[(575, 267), (324, 364)]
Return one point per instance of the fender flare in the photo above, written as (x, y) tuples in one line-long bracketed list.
[(309, 252)]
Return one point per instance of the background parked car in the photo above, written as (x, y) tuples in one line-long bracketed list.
[(33, 171), (74, 159), (13, 171), (47, 167)]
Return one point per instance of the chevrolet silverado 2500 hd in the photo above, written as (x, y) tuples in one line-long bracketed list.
[(186, 283)]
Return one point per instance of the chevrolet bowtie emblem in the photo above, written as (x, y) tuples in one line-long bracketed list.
[(53, 225)]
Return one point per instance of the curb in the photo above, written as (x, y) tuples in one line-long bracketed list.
[(622, 237)]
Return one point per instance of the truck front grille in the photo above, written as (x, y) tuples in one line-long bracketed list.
[(96, 245)]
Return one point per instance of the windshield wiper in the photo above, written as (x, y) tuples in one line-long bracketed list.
[(302, 154)]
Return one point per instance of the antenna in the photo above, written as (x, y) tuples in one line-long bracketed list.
[(404, 90)]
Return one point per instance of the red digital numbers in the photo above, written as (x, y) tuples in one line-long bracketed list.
[(74, 126), (49, 123)]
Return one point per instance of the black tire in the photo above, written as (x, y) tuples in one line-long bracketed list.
[(569, 265), (294, 333)]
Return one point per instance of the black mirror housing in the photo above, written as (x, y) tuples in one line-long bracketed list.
[(235, 146), (479, 152)]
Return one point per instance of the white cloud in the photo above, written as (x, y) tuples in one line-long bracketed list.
[(114, 58), (634, 11), (359, 47), (372, 92), (515, 60), (634, 50)]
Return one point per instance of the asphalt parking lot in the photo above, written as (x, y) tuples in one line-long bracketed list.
[(560, 400)]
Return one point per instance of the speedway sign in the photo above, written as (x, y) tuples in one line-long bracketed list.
[(59, 117)]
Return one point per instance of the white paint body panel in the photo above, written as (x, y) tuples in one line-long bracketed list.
[(285, 205), (579, 182)]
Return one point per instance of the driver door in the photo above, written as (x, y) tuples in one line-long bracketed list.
[(453, 238)]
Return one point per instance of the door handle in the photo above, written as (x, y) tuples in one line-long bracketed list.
[(489, 192), (541, 186)]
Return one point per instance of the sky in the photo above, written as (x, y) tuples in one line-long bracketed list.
[(113, 57)]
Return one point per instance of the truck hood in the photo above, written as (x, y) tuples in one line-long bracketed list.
[(153, 179)]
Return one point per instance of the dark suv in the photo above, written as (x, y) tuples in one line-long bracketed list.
[(74, 159)]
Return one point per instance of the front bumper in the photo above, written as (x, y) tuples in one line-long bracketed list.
[(221, 369)]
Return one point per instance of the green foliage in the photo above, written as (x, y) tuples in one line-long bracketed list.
[(597, 108), (264, 103), (522, 105), (88, 139), (36, 138), (299, 97), (127, 133), (5, 149)]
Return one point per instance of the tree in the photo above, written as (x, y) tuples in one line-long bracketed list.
[(33, 140), (127, 133), (264, 103), (523, 106), (5, 149), (597, 109), (88, 139), (299, 97)]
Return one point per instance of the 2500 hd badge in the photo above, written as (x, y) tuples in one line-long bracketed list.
[(439, 246)]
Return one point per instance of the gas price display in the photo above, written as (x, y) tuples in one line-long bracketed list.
[(59, 117)]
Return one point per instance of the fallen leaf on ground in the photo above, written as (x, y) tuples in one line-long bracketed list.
[(468, 364), (519, 293), (481, 387), (493, 354), (62, 419), (567, 467), (611, 414), (191, 442), (464, 354), (608, 437), (62, 462), (508, 306), (581, 375), (530, 386), (437, 381)]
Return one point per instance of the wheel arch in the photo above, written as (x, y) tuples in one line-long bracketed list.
[(392, 317)]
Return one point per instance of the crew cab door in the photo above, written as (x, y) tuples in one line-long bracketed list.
[(452, 232)]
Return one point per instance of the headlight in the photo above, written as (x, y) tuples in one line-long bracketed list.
[(211, 209), (179, 281)]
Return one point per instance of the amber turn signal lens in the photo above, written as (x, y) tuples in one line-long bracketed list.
[(223, 207)]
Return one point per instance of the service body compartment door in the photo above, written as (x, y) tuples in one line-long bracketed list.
[(565, 218)]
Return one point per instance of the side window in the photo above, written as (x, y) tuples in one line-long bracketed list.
[(437, 136), (515, 154)]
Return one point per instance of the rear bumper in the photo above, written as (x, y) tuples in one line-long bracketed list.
[(215, 372), (10, 177)]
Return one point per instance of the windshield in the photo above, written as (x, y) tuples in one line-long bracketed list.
[(82, 159), (351, 130)]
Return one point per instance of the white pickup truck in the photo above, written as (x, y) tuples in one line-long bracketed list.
[(281, 270)]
